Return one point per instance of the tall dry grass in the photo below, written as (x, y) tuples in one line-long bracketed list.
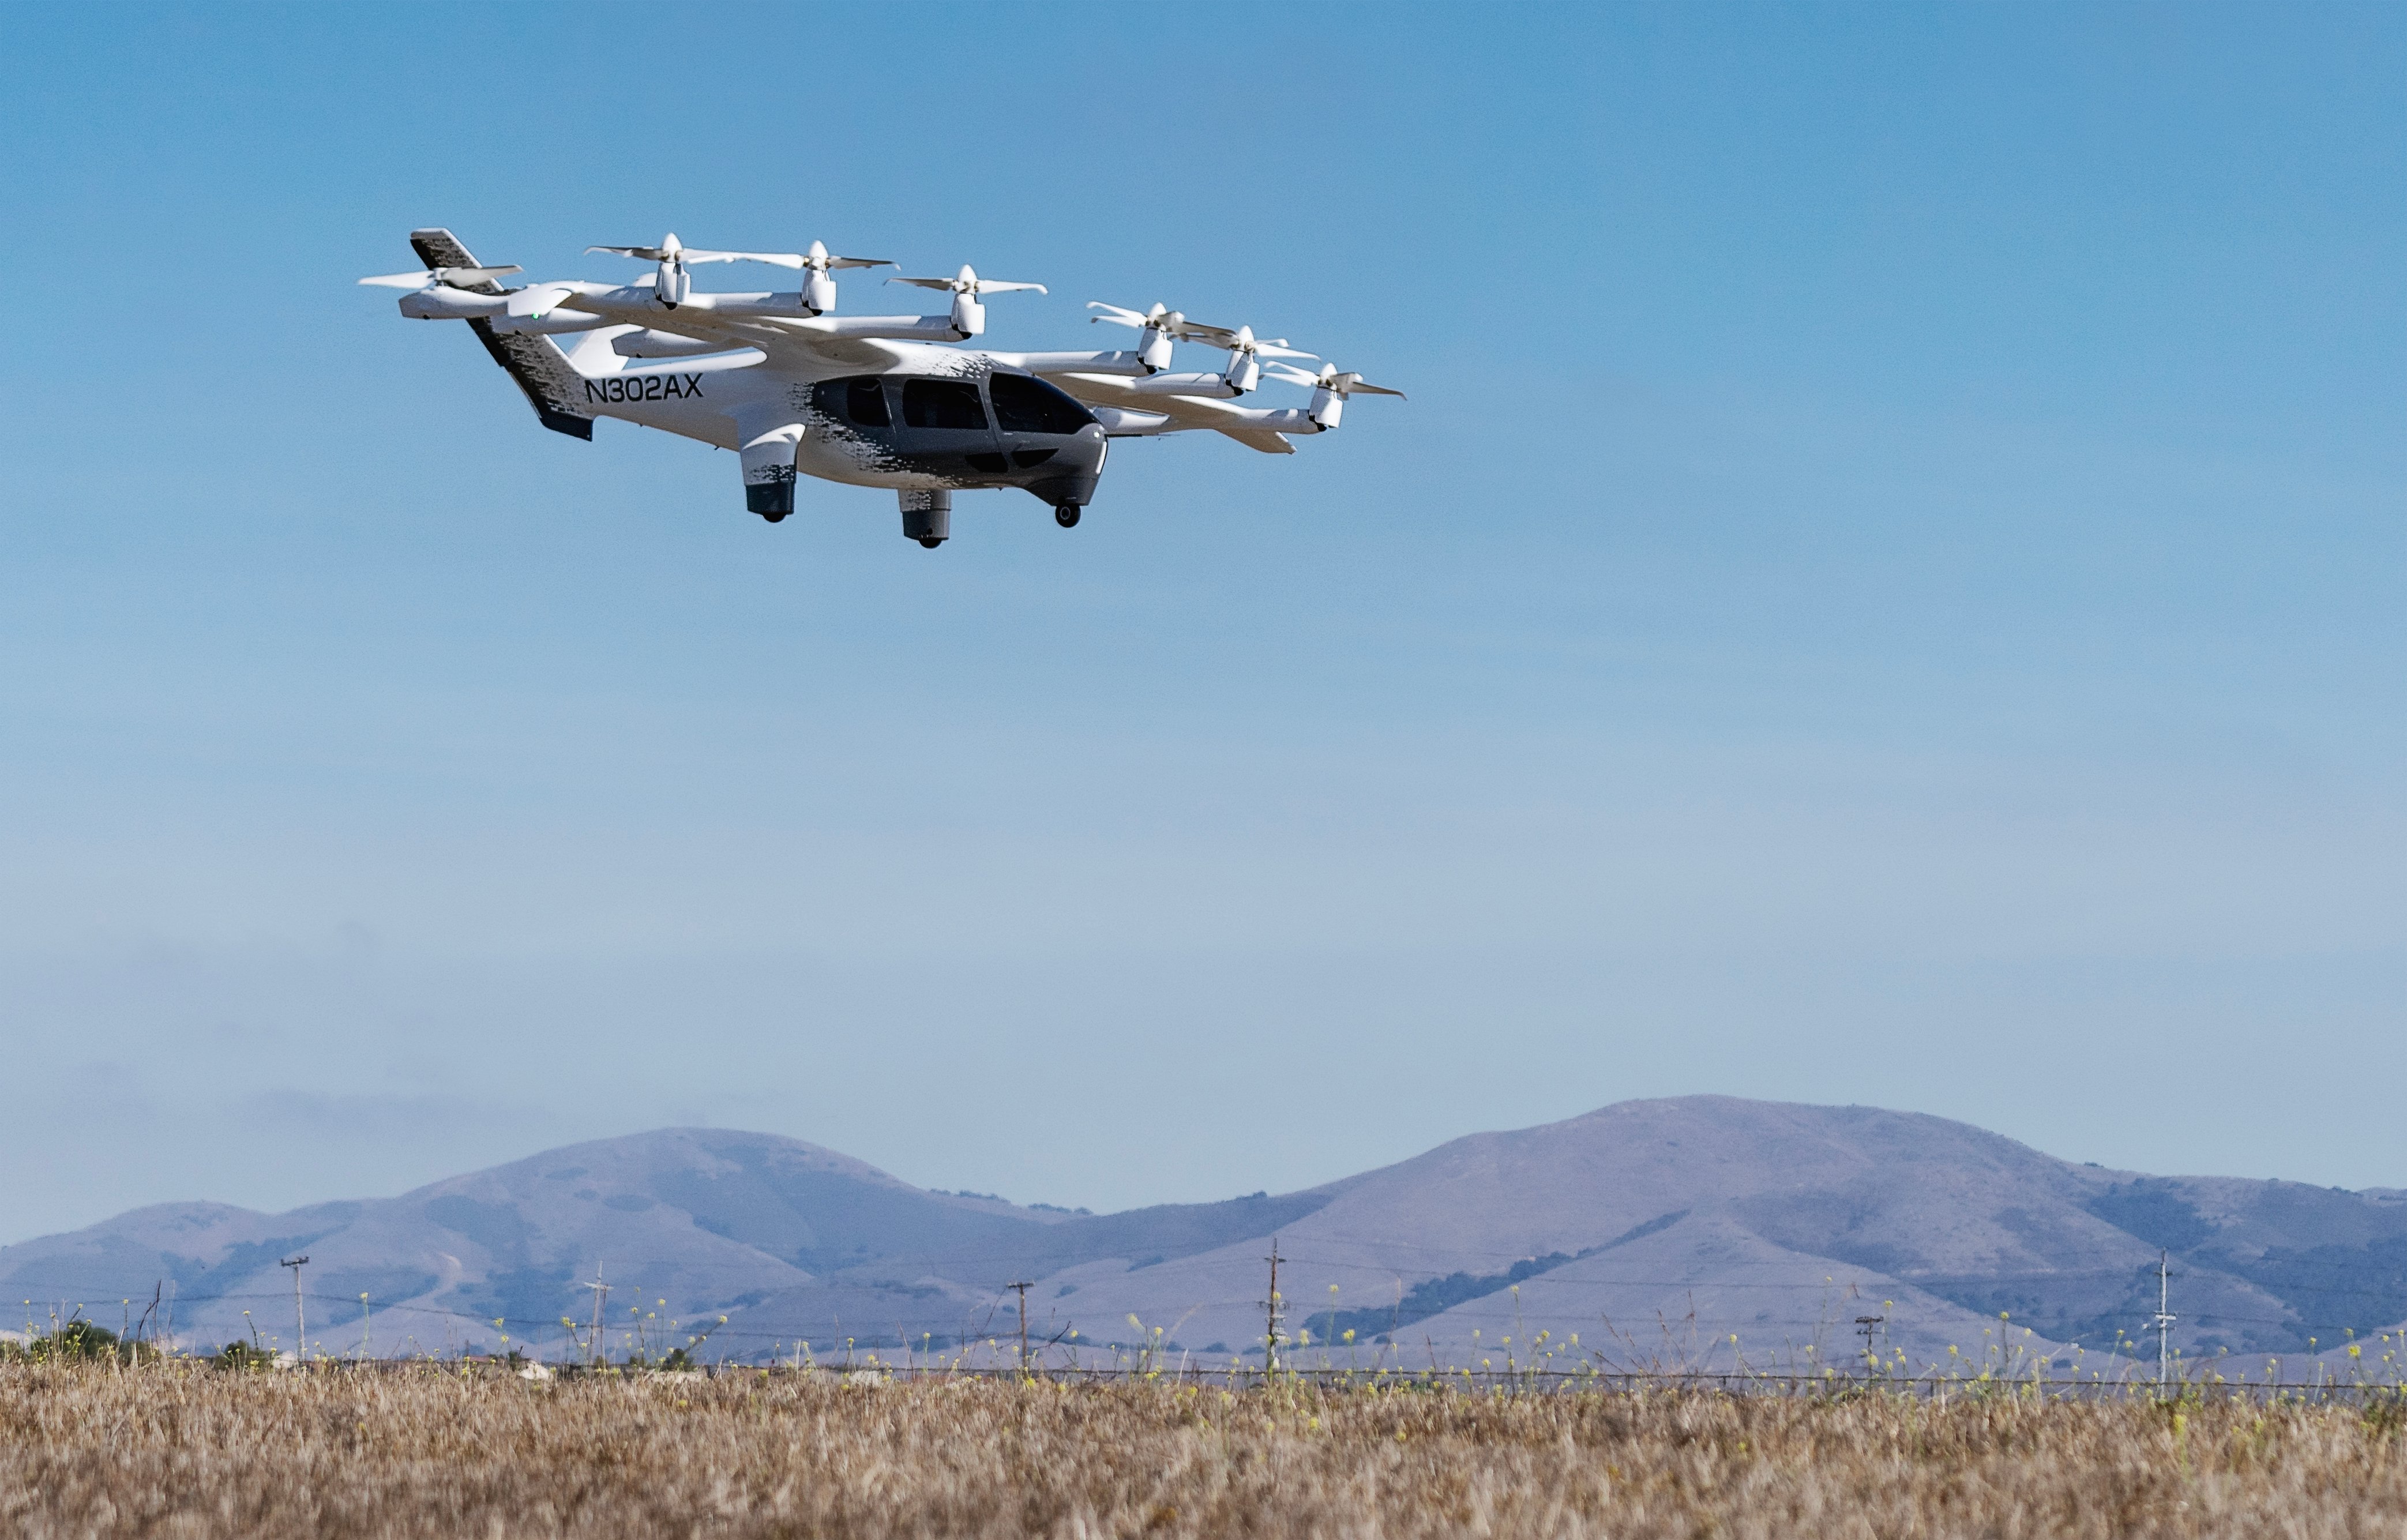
[(180, 1450)]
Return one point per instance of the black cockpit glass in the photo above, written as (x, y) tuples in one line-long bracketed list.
[(860, 400), (942, 404), (865, 403), (1024, 405)]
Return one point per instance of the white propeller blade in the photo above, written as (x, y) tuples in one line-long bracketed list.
[(667, 248), (1169, 323), (1329, 380), (817, 260), (672, 249), (966, 281), (1242, 340), (775, 259), (454, 276)]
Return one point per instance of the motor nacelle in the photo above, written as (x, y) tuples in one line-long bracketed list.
[(818, 294), (443, 303), (672, 284), (969, 316)]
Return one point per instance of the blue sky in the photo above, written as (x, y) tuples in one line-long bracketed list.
[(1886, 589)]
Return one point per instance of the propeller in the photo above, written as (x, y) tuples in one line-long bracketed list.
[(817, 260), (457, 278), (1336, 384), (969, 316), (1246, 352), (819, 289), (1242, 342), (966, 281), (1162, 325), (1169, 323), (673, 249), (672, 284), (1329, 390)]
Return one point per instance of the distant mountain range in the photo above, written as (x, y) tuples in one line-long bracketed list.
[(1652, 1231)]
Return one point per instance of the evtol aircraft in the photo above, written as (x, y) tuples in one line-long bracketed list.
[(873, 401)]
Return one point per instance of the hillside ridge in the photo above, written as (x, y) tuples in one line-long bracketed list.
[(1703, 1218)]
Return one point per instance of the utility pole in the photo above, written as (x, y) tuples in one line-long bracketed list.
[(1864, 1325), (601, 1293), (2165, 1319), (1273, 1307), (1024, 1289), (300, 1322)]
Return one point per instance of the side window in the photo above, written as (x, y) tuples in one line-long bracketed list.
[(865, 402), (1022, 404), (942, 404), (860, 401)]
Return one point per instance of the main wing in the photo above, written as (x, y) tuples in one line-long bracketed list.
[(1248, 425)]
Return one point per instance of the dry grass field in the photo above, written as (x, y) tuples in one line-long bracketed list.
[(179, 1450)]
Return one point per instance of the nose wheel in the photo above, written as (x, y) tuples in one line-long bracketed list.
[(930, 541), (1066, 515)]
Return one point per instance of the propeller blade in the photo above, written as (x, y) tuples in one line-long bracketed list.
[(775, 259), (924, 283), (1242, 340), (1289, 373), (441, 275), (859, 262), (1368, 389), (642, 253), (990, 286)]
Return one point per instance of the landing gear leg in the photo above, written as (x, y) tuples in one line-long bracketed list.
[(1066, 515)]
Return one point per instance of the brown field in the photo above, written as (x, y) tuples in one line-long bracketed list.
[(181, 1450)]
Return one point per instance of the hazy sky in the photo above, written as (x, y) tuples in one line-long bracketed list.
[(1888, 588)]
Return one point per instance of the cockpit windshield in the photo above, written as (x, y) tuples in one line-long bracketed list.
[(1026, 404)]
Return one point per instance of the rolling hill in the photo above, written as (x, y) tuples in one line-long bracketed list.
[(1651, 1231)]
